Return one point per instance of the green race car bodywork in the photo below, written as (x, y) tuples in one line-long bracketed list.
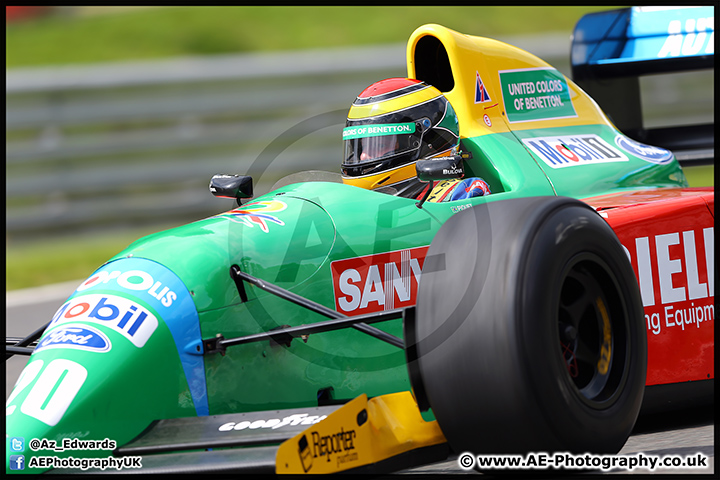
[(131, 345)]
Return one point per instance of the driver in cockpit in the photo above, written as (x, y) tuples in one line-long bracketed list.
[(392, 124)]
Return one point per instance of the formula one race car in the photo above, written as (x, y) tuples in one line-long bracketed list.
[(294, 334)]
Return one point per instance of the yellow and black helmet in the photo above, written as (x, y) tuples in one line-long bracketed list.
[(392, 124)]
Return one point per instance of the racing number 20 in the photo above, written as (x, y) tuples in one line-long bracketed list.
[(53, 392)]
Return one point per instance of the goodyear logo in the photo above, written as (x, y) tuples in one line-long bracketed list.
[(80, 337), (273, 423), (574, 150)]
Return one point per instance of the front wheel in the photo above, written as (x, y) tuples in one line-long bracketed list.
[(530, 332)]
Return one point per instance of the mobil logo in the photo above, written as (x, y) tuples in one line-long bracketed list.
[(124, 316), (77, 336), (384, 281), (574, 150), (133, 280)]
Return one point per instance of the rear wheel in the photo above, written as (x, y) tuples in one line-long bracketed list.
[(530, 332)]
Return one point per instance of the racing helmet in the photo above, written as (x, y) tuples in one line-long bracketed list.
[(392, 124)]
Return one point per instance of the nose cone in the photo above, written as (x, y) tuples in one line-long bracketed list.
[(124, 350)]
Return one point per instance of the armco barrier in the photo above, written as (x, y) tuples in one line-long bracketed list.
[(130, 143)]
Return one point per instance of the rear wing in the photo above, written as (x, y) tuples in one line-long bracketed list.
[(611, 50)]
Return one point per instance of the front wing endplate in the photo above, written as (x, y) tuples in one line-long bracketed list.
[(384, 433)]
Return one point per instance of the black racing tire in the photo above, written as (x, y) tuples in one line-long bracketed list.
[(530, 330)]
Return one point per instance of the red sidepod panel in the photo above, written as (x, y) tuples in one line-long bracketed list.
[(668, 234)]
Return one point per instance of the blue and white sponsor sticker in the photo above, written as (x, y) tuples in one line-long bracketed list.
[(81, 337), (574, 150), (141, 282), (124, 316), (117, 295), (648, 153)]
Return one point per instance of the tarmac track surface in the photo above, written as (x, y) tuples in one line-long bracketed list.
[(683, 433)]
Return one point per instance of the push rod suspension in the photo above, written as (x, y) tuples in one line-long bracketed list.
[(354, 322)]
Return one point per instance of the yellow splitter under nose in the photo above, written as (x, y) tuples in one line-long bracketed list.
[(382, 433)]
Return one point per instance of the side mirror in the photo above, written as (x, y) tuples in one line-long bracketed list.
[(232, 186), (442, 168)]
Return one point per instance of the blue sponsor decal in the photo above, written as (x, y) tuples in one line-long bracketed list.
[(17, 444), (670, 32), (17, 462), (643, 33), (81, 337), (572, 150), (646, 152), (126, 317), (149, 284), (481, 93)]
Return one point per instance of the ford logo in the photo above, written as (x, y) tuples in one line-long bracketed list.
[(82, 337), (646, 152)]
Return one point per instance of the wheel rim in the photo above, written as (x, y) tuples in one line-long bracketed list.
[(592, 331)]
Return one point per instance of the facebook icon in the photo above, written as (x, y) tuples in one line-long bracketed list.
[(17, 462)]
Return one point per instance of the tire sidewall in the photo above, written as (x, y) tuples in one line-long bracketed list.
[(488, 343), (571, 234)]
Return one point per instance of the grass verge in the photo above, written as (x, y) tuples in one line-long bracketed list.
[(69, 36), (59, 259)]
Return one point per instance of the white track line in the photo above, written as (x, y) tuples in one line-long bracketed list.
[(46, 293)]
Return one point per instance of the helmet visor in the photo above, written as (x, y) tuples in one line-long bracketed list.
[(369, 143)]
